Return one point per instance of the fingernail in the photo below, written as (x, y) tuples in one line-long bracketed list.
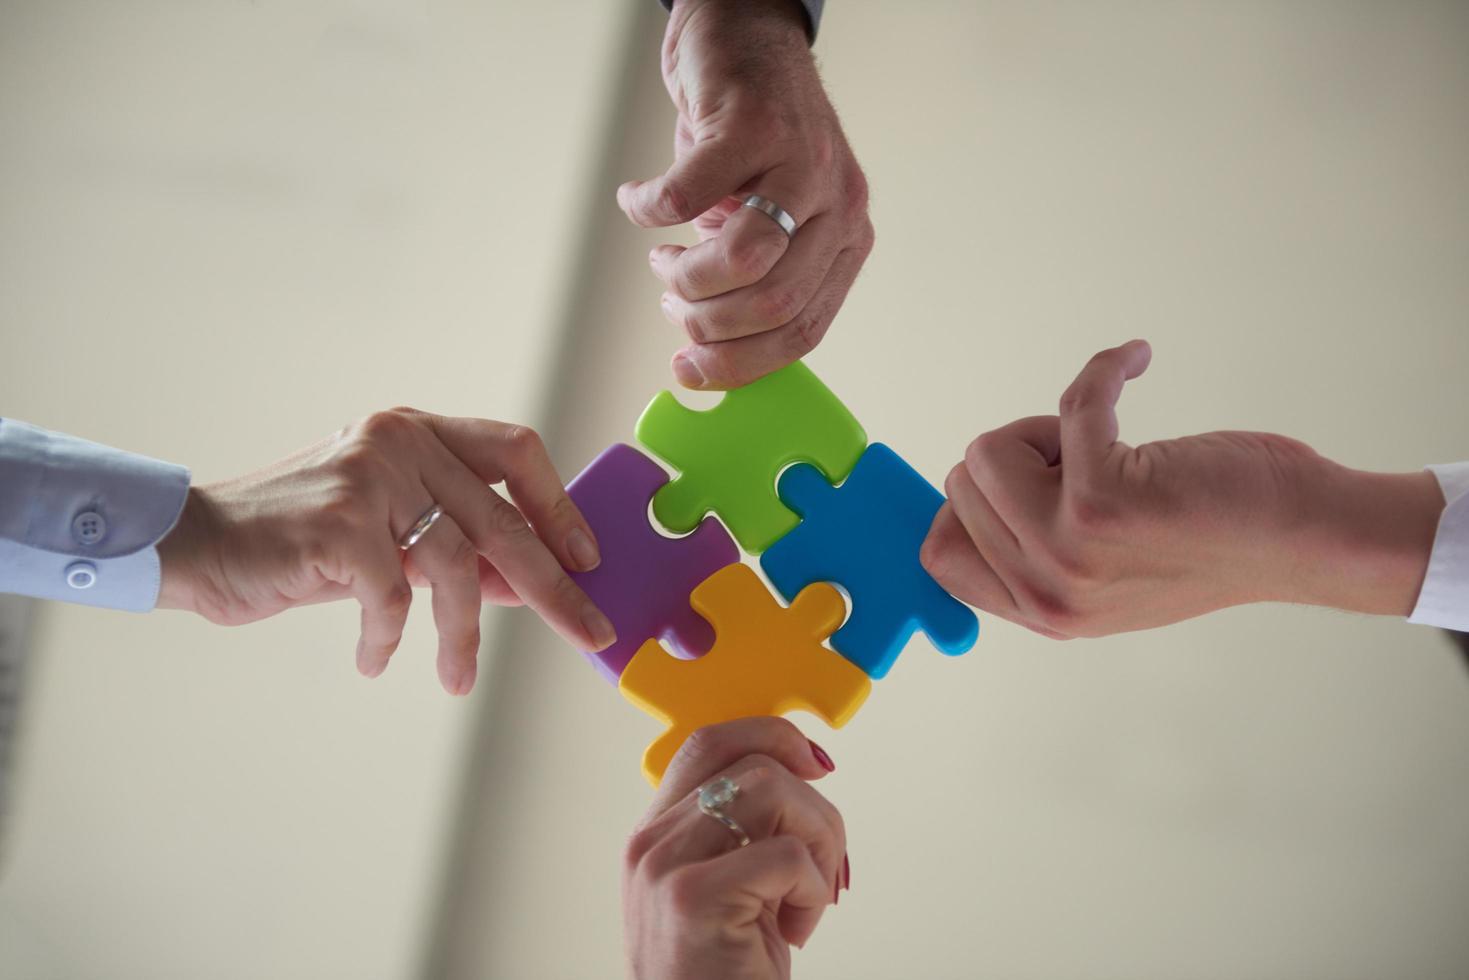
[(687, 372), (583, 550), (846, 873), (836, 894), (598, 627), (366, 667), (822, 757), (464, 683)]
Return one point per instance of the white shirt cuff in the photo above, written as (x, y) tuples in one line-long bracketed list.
[(1444, 598)]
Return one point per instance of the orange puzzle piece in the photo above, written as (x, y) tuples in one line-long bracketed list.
[(767, 659)]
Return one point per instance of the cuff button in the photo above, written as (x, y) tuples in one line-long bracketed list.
[(81, 575), (88, 527)]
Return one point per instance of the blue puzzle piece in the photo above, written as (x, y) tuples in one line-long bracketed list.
[(865, 536)]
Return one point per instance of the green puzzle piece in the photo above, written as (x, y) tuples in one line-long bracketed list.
[(729, 456)]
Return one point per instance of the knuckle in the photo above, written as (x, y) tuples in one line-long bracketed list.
[(1092, 510), (784, 731), (522, 440), (360, 465), (387, 427), (855, 191), (760, 768), (684, 891), (823, 146), (805, 333), (639, 844), (693, 327), (700, 327), (1073, 570), (982, 453), (778, 306), (1049, 607), (464, 558), (1075, 398), (933, 557), (750, 258), (508, 528), (567, 592), (671, 200), (396, 599), (788, 850), (704, 742), (957, 480), (691, 279), (564, 511)]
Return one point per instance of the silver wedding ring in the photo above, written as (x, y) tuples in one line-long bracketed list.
[(714, 797), (776, 213), (420, 527)]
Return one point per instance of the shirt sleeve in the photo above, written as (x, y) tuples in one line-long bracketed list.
[(1444, 599), (79, 522), (813, 10)]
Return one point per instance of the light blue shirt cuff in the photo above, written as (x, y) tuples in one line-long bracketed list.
[(79, 522)]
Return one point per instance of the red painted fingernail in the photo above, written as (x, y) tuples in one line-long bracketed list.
[(822, 757), (846, 872)]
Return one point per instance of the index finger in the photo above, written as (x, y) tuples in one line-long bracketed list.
[(717, 747), (698, 180), (748, 245), (1089, 404), (515, 454)]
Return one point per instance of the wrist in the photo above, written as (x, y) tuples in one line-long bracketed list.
[(1365, 545), (181, 553), (770, 19)]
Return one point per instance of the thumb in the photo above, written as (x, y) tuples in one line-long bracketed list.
[(713, 749), (710, 172), (1089, 405)]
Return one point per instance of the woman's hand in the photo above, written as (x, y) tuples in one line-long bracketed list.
[(1056, 525), (695, 903), (325, 524)]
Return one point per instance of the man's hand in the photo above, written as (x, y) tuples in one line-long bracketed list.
[(325, 524), (1054, 524), (752, 119)]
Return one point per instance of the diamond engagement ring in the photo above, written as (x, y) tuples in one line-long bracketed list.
[(714, 797), (420, 527), (774, 211)]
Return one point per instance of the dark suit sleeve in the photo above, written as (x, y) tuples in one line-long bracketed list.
[(813, 10)]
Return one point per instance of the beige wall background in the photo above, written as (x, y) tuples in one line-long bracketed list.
[(226, 229)]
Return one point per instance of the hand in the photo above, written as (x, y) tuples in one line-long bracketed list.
[(752, 119), (325, 523), (1054, 524), (695, 904)]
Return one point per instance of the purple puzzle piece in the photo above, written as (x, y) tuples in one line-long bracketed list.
[(644, 581)]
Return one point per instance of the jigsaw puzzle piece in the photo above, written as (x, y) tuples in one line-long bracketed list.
[(644, 580), (865, 536), (728, 457), (767, 659)]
